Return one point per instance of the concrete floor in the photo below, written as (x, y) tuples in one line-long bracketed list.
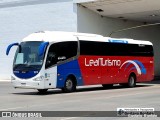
[(90, 98)]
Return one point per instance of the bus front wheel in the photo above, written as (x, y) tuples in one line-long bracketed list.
[(69, 86), (132, 80)]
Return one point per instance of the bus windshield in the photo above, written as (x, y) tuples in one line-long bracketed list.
[(27, 58)]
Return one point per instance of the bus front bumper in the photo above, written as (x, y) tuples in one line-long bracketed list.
[(28, 84)]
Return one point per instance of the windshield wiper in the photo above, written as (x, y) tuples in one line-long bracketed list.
[(24, 67), (18, 65), (31, 67)]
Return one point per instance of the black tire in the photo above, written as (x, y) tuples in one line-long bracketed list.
[(69, 86), (132, 81), (42, 90), (107, 86)]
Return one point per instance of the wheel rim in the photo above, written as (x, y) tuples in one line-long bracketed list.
[(131, 81), (69, 84)]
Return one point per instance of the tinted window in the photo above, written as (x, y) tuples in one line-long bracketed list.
[(114, 49), (90, 48), (121, 49), (60, 52)]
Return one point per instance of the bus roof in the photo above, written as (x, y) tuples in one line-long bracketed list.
[(59, 36)]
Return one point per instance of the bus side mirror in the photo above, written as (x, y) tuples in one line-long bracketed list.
[(10, 46), (42, 48)]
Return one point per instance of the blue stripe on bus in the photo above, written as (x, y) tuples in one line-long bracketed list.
[(143, 69), (25, 75), (66, 69), (118, 41)]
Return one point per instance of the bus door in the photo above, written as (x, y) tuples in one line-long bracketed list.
[(51, 68), (51, 77)]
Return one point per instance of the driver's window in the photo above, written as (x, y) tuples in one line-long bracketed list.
[(52, 56)]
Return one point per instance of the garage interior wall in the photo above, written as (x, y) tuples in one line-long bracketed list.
[(91, 22), (19, 20)]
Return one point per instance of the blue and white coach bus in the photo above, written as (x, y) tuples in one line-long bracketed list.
[(47, 60)]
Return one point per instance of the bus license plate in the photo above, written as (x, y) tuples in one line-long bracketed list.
[(23, 84)]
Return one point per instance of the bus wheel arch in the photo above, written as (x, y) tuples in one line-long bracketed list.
[(70, 84), (132, 80)]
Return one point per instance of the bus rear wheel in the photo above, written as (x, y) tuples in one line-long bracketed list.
[(107, 86), (132, 81), (69, 86), (42, 90)]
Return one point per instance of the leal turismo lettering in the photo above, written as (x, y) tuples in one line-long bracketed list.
[(102, 62)]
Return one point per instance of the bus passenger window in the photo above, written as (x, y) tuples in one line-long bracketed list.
[(66, 50), (59, 52)]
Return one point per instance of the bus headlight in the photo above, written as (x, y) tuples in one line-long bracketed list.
[(13, 78), (39, 78)]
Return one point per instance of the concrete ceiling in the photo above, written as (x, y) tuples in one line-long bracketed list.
[(137, 10)]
